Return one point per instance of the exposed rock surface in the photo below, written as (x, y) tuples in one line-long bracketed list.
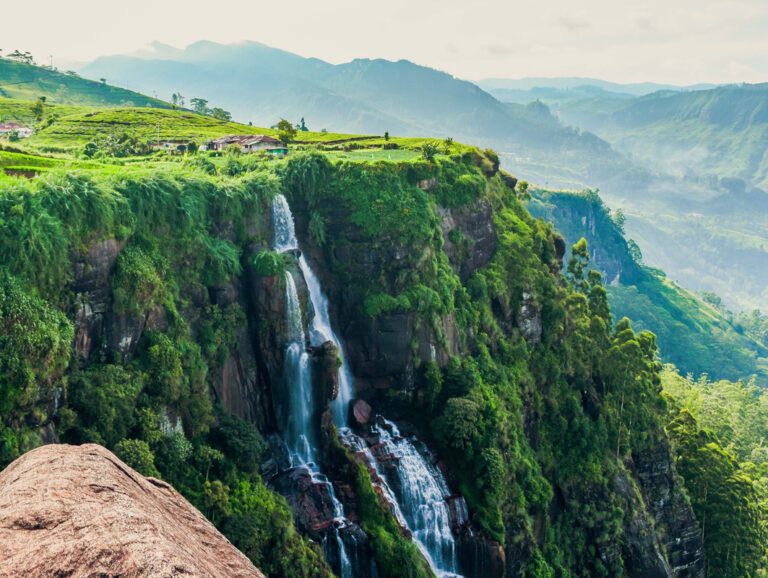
[(80, 511), (477, 243), (675, 522)]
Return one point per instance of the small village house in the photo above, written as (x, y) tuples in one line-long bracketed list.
[(248, 143), (22, 131)]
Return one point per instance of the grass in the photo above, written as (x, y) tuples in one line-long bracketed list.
[(24, 81), (72, 127), (376, 155)]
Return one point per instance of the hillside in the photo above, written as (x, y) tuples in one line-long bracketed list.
[(652, 182), (691, 334), (260, 84), (161, 306), (25, 81), (720, 133)]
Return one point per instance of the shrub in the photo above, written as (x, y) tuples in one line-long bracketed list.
[(269, 263), (137, 455)]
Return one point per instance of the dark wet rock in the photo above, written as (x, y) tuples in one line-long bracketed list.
[(473, 243), (640, 548), (309, 498), (93, 294), (326, 361), (529, 319), (479, 556), (674, 520)]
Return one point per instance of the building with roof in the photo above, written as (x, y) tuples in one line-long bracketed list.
[(249, 143), (22, 131)]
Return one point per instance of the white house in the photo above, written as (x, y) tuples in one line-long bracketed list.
[(22, 131)]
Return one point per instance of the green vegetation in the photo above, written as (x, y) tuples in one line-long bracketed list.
[(719, 430), (538, 397), (26, 81), (695, 336), (152, 406), (484, 406)]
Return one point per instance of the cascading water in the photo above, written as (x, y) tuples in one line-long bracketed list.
[(419, 498), (297, 378), (320, 332)]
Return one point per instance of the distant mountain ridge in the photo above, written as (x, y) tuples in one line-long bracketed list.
[(570, 83), (534, 140)]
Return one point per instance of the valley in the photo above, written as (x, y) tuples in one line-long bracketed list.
[(382, 355)]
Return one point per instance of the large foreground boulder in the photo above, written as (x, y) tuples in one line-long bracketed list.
[(79, 511)]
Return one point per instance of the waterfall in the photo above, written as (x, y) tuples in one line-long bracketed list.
[(417, 492), (320, 329), (320, 332), (297, 378)]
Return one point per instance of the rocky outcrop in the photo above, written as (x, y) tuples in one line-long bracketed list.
[(675, 522), (640, 550), (529, 320), (93, 295), (80, 511), (469, 236)]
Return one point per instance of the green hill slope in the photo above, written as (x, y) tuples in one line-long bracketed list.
[(691, 334), (25, 81)]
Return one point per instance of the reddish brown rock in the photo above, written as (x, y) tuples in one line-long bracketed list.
[(79, 511), (361, 412)]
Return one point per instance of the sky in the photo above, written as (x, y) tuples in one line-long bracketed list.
[(669, 41)]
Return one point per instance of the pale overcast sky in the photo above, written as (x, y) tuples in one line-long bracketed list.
[(675, 41)]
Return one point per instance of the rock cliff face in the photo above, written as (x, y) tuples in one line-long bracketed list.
[(80, 511), (577, 216), (385, 353), (675, 523)]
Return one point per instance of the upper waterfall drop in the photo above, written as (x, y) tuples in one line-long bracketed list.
[(284, 227), (320, 329)]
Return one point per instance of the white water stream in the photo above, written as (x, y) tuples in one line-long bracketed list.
[(419, 502)]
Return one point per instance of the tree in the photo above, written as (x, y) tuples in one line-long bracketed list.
[(285, 131), (90, 149), (23, 57), (577, 265), (221, 114), (634, 251), (447, 145), (301, 126), (619, 219), (386, 135), (199, 105), (522, 191), (136, 454), (103, 80), (428, 151), (38, 109)]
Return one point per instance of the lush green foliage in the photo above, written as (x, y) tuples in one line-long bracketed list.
[(150, 401), (695, 337), (484, 408), (26, 81), (720, 452)]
